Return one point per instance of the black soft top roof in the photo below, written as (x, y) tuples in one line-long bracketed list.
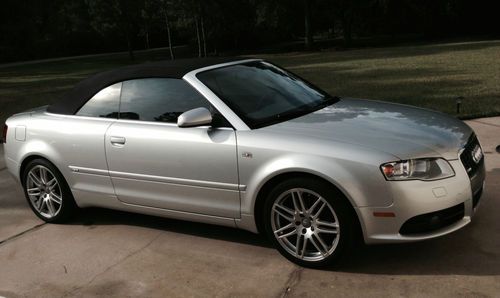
[(73, 100)]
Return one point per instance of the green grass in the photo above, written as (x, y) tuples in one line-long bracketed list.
[(430, 76)]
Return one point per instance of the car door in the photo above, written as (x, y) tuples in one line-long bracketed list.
[(81, 140), (154, 163)]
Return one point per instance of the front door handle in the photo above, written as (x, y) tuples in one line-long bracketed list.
[(120, 141)]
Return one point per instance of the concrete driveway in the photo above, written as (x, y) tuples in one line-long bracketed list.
[(108, 253)]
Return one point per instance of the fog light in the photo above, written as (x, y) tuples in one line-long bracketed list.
[(384, 214)]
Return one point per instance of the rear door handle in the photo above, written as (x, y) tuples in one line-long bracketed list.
[(117, 141)]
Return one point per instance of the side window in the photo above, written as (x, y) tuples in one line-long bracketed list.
[(158, 99), (104, 104)]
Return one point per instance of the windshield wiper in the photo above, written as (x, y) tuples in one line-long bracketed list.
[(331, 99), (297, 112)]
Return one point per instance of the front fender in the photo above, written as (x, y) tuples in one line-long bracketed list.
[(362, 184)]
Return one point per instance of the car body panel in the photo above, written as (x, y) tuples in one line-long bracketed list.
[(215, 175), (418, 197), (164, 166), (272, 155), (404, 131), (66, 141)]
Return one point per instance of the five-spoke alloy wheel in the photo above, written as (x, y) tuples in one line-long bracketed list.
[(309, 221), (47, 192)]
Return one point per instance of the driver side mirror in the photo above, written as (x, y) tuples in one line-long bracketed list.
[(195, 117)]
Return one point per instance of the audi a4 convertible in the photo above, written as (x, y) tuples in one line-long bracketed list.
[(243, 143)]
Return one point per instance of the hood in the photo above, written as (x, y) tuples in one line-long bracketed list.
[(404, 131)]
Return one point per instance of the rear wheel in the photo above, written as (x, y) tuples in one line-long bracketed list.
[(309, 221), (47, 192)]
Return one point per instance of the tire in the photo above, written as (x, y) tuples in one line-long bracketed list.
[(47, 192), (324, 221)]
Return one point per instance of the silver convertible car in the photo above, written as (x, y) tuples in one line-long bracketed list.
[(246, 144)]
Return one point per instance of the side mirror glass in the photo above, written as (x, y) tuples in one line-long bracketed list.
[(195, 117)]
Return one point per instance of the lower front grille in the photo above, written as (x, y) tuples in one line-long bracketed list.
[(433, 221)]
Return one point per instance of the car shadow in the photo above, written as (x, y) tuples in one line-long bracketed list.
[(460, 253), (98, 217), (454, 254)]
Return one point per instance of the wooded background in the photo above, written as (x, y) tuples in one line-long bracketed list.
[(51, 28)]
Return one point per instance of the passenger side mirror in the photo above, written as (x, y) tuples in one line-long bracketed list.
[(195, 117)]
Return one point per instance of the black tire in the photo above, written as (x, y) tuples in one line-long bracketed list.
[(338, 203), (67, 207)]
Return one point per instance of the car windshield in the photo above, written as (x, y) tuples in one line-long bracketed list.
[(263, 94)]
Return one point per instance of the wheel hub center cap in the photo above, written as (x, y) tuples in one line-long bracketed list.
[(306, 222)]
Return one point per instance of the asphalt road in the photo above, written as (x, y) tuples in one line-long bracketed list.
[(108, 253)]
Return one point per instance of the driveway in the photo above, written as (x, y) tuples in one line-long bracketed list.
[(110, 253)]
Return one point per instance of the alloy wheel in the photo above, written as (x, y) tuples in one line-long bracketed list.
[(44, 191), (305, 224)]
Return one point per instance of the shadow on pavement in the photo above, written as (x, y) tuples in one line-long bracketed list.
[(470, 251), (97, 216)]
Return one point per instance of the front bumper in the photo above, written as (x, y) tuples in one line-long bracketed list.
[(425, 209)]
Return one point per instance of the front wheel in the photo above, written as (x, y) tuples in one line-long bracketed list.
[(47, 192), (309, 221)]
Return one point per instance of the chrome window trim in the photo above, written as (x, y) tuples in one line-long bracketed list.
[(80, 117), (171, 124), (134, 121), (231, 116)]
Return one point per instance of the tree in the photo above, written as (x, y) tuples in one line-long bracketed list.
[(148, 15), (117, 16), (347, 10), (42, 29), (197, 8), (307, 26), (169, 36), (162, 8)]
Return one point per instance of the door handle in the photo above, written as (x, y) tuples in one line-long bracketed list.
[(117, 141)]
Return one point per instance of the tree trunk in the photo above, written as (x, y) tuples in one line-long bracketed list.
[(130, 50), (198, 36), (332, 32), (147, 39), (346, 28), (203, 37), (307, 25), (169, 36)]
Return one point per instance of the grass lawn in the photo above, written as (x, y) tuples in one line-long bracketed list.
[(430, 76)]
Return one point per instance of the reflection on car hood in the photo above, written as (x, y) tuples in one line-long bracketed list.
[(403, 131)]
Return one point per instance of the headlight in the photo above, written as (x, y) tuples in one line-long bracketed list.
[(417, 169)]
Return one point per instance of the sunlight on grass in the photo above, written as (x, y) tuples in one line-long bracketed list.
[(430, 76), (40, 78)]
